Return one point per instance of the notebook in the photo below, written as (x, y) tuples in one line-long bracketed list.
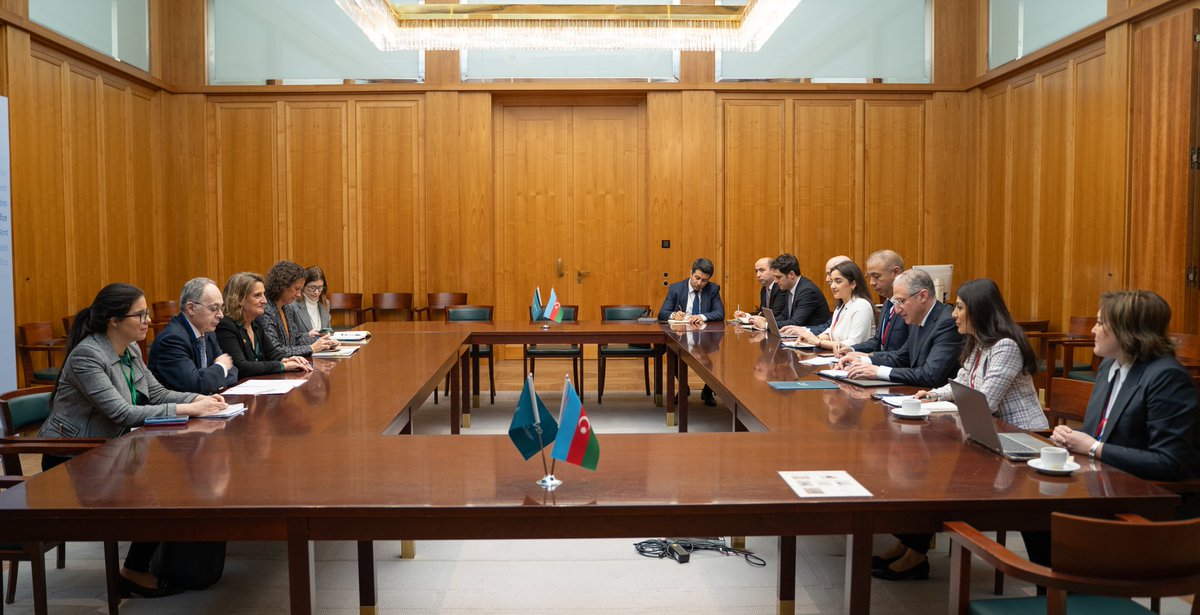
[(844, 376), (802, 385), (977, 423)]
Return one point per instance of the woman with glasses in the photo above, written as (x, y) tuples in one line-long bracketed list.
[(308, 316), (283, 286), (241, 332), (104, 389)]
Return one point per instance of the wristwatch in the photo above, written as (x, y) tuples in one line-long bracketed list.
[(1092, 450)]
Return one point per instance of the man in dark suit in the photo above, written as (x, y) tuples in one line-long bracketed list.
[(798, 302), (696, 300), (892, 333), (766, 279), (185, 355), (930, 356)]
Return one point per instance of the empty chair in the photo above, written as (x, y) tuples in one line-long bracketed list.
[(1068, 400), (38, 337), (383, 304), (623, 313), (350, 303), (574, 352), (440, 301), (1102, 563), (476, 313)]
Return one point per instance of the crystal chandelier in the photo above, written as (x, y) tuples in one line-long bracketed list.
[(568, 27)]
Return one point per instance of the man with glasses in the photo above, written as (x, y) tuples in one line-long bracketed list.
[(185, 355), (930, 356)]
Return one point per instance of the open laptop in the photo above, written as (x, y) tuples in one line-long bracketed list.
[(977, 423), (773, 327)]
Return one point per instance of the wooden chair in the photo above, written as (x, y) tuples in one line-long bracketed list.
[(1034, 326), (475, 313), (574, 352), (623, 313), (164, 311), (1102, 563), (391, 303), (68, 322), (35, 337), (1048, 343), (440, 301), (1187, 350), (1068, 400), (350, 303)]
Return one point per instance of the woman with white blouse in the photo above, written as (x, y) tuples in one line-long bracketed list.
[(853, 318)]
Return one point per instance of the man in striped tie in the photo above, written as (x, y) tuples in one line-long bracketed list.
[(891, 334)]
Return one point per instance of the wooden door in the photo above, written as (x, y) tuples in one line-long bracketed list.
[(571, 214)]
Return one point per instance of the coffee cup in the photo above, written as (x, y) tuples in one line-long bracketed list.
[(1054, 457), (911, 406)]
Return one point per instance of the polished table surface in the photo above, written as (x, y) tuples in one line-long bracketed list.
[(319, 464)]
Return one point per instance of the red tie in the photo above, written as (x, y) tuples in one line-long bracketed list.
[(887, 328)]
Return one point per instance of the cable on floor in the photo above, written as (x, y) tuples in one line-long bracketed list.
[(681, 549)]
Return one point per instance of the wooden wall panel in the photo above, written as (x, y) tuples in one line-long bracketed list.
[(443, 213), (87, 220), (993, 231), (146, 205), (1055, 195), (664, 187), (951, 179), (188, 200), (387, 135), (317, 151), (1019, 286), (893, 179), (699, 176), (754, 142), (246, 156), (474, 174), (826, 181), (120, 223)]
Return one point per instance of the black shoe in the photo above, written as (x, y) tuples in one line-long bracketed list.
[(920, 571), (882, 562), (164, 589), (707, 397)]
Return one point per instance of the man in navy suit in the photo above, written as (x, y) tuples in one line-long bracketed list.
[(696, 300), (185, 355), (892, 333), (930, 356)]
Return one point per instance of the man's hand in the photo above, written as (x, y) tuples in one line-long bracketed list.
[(863, 370)]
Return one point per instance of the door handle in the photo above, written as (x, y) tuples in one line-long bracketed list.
[(579, 275), (560, 269)]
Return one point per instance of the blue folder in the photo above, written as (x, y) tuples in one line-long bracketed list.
[(803, 385)]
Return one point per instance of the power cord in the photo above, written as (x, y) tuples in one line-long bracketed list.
[(681, 549)]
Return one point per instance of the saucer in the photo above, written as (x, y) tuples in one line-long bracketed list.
[(1066, 470), (905, 414)]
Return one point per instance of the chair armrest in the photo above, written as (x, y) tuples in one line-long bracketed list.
[(1182, 487), (48, 446), (371, 310), (11, 481)]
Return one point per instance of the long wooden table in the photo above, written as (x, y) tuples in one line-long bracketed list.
[(321, 463)]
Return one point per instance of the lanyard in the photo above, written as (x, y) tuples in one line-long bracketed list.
[(127, 369), (978, 353)]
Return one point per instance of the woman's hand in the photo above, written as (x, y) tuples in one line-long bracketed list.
[(202, 405), (296, 364), (323, 343), (1072, 440)]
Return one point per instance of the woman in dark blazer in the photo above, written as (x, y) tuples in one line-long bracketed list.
[(104, 389), (241, 335), (309, 316), (1142, 413), (282, 287)]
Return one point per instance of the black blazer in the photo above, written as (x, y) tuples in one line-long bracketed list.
[(808, 305), (233, 340), (173, 360), (929, 357), (897, 332), (1151, 431)]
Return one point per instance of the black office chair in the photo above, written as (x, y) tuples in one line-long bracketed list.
[(574, 352), (645, 352), (475, 313)]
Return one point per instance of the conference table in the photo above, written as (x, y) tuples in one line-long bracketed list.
[(336, 459)]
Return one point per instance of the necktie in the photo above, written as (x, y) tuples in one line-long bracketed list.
[(1112, 384), (202, 351), (888, 319), (789, 303), (695, 302)]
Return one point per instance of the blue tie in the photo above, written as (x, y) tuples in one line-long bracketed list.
[(696, 302)]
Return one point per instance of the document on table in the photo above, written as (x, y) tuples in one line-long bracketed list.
[(824, 484), (340, 353), (351, 336), (932, 406), (226, 414), (802, 385), (820, 361), (264, 387)]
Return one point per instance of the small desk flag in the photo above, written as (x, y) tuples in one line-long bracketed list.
[(535, 310), (532, 426), (576, 442), (553, 308)]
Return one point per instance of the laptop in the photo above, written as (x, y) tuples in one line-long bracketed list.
[(773, 327), (977, 423)]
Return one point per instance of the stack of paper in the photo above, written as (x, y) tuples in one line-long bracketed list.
[(351, 337), (825, 484), (264, 387), (340, 353), (226, 414), (820, 361)]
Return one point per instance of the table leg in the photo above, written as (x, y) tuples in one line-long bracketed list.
[(408, 549), (112, 574), (682, 410), (302, 581), (658, 376), (469, 367), (787, 575), (670, 359), (858, 566), (456, 410), (368, 581), (474, 377)]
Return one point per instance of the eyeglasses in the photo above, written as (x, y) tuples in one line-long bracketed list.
[(313, 288), (900, 302), (142, 316), (215, 308)]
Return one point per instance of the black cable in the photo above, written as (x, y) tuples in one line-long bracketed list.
[(661, 548)]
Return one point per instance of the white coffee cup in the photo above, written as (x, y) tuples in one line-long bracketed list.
[(1054, 457), (910, 406)]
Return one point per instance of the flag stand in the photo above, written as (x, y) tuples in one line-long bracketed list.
[(548, 482)]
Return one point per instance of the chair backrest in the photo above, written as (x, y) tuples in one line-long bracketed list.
[(1034, 326), (32, 333), (392, 301), (24, 407), (165, 310), (345, 301), (68, 322), (1156, 552), (469, 313), (1187, 347), (570, 313), (1081, 326), (622, 313), (439, 301), (1068, 399)]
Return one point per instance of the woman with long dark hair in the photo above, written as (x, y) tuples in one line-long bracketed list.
[(104, 389), (853, 319)]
